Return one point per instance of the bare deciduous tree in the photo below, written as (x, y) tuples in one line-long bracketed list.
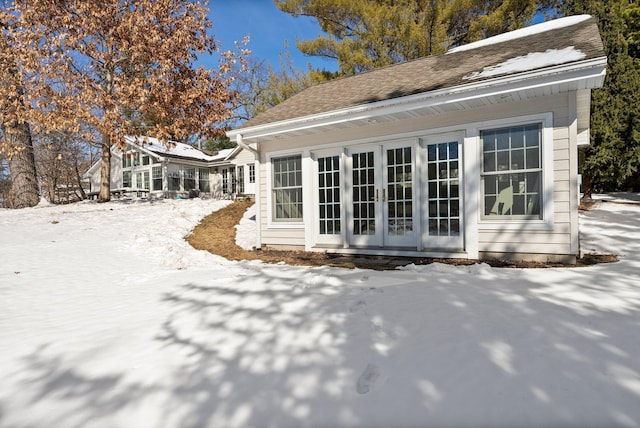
[(122, 67)]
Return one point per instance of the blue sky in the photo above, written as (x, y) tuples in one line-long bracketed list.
[(268, 29)]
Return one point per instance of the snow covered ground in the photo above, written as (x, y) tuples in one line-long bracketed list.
[(109, 319)]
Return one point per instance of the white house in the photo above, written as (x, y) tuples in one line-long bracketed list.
[(468, 154), (171, 170)]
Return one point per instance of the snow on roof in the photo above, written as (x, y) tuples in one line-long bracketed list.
[(523, 32), (223, 154), (529, 62), (173, 149), (177, 149)]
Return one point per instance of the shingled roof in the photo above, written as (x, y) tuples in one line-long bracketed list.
[(562, 41)]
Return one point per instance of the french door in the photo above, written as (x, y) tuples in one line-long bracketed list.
[(372, 196), (381, 190), (442, 226)]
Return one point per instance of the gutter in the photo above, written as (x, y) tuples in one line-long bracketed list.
[(240, 142)]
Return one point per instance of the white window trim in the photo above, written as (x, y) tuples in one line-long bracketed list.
[(271, 223), (547, 143)]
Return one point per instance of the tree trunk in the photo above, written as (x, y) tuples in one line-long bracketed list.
[(105, 171), (22, 165), (78, 178), (17, 134), (587, 187)]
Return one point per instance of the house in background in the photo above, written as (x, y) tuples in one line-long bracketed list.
[(468, 154), (147, 166)]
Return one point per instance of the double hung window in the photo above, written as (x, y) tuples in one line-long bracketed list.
[(287, 188), (126, 178), (203, 180), (174, 180), (156, 175), (189, 179)]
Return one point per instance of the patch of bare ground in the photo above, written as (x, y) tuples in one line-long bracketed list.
[(588, 204), (216, 234)]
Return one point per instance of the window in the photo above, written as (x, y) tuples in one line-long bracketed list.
[(146, 180), (252, 173), (156, 174), (512, 172), (126, 160), (225, 181), (203, 180), (329, 195), (174, 180), (145, 160), (232, 172), (287, 188), (126, 178), (241, 179), (189, 179)]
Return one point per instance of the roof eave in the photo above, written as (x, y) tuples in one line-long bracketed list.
[(575, 71)]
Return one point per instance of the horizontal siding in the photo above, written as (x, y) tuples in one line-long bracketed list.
[(291, 237), (515, 236), (526, 247), (558, 239), (562, 221), (560, 165), (275, 236), (244, 157)]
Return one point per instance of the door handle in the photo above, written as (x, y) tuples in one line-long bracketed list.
[(384, 195), (376, 195)]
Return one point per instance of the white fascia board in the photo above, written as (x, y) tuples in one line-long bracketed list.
[(576, 71), (234, 152)]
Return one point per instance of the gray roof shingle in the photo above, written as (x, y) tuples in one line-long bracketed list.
[(431, 73)]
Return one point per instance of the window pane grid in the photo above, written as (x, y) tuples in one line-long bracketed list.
[(146, 180), (203, 180), (443, 189), (329, 195), (364, 222), (189, 179), (156, 174), (252, 173), (399, 192), (241, 179), (512, 172), (287, 188), (126, 179), (174, 180)]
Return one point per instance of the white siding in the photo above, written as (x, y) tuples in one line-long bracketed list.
[(559, 239)]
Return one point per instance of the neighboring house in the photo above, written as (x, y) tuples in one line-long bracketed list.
[(468, 154), (148, 166)]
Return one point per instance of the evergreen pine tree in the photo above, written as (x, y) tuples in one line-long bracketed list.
[(612, 160)]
